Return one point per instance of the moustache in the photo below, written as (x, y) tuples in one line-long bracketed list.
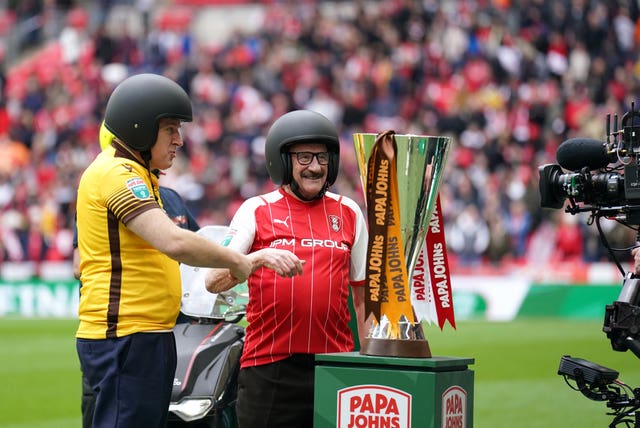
[(312, 175)]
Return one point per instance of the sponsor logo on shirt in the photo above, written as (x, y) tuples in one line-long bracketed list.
[(308, 242), (285, 222), (138, 188)]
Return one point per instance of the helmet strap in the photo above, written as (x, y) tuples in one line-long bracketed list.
[(155, 173), (146, 157)]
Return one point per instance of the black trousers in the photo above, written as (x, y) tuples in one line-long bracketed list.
[(278, 394), (132, 378)]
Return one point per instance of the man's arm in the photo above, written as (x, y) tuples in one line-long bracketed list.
[(284, 262), (187, 247)]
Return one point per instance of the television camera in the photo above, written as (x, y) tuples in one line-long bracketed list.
[(612, 190), (603, 179)]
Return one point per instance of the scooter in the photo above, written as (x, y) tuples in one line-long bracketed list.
[(209, 343)]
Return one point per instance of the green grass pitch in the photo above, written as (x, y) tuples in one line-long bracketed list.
[(516, 363)]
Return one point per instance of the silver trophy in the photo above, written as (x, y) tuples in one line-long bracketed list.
[(401, 177)]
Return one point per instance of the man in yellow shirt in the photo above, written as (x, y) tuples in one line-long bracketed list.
[(178, 212), (129, 254)]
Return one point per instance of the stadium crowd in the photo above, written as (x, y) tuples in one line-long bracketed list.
[(508, 80)]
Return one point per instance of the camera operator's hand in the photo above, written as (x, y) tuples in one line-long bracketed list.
[(636, 260)]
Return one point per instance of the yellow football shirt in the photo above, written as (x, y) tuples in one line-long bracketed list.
[(127, 285)]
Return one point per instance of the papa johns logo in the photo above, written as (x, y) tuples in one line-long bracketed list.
[(138, 188), (369, 406), (454, 408)]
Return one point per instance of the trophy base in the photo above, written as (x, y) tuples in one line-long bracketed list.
[(412, 348)]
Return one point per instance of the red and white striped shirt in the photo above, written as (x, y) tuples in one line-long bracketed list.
[(308, 313)]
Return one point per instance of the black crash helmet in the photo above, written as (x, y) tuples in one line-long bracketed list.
[(136, 105), (295, 127)]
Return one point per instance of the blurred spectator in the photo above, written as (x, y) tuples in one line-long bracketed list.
[(468, 236), (518, 226), (568, 239), (508, 81)]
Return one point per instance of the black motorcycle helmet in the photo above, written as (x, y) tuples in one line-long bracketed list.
[(136, 105), (295, 127)]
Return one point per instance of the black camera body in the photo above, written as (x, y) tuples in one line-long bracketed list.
[(622, 317), (631, 135), (593, 184), (632, 182)]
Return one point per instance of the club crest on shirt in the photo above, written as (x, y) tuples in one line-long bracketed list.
[(138, 188), (335, 222)]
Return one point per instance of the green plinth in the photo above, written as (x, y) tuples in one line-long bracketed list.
[(362, 391)]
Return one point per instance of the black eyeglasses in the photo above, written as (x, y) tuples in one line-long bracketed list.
[(305, 158)]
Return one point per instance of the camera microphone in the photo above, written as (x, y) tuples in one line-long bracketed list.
[(577, 153)]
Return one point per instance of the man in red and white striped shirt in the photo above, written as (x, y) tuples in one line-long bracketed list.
[(292, 318)]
